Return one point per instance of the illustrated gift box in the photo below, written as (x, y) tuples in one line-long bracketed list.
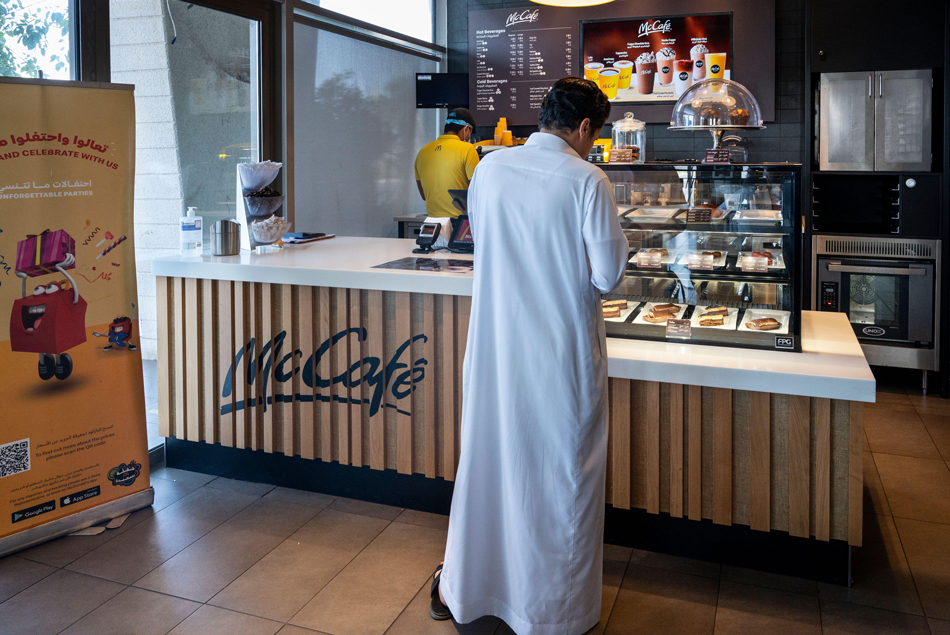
[(47, 323), (38, 255)]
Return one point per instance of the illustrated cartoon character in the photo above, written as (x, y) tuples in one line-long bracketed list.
[(50, 321), (119, 332)]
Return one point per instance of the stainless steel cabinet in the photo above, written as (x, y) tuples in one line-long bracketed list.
[(876, 121)]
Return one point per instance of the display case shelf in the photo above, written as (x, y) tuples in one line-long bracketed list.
[(743, 258)]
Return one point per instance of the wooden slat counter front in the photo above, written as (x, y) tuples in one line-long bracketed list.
[(312, 352)]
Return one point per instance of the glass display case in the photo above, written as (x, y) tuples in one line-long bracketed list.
[(713, 254)]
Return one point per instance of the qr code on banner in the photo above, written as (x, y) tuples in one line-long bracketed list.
[(14, 457)]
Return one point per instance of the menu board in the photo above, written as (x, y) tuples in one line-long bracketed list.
[(656, 59), (516, 60), (516, 55)]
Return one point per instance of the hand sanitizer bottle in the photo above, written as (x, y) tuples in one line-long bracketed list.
[(190, 236)]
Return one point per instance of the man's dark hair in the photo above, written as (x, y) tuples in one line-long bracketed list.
[(570, 101)]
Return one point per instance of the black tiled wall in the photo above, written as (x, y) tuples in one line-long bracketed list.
[(782, 140)]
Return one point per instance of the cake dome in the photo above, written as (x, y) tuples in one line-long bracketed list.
[(716, 103)]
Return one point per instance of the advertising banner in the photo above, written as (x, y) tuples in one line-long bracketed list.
[(656, 58), (72, 421)]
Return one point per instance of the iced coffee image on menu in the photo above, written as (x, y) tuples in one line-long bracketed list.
[(646, 73)]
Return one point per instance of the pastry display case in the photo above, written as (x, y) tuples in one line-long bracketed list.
[(713, 255)]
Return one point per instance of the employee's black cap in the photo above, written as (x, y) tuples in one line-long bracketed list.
[(461, 114)]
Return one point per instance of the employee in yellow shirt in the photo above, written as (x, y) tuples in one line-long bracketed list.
[(447, 163)]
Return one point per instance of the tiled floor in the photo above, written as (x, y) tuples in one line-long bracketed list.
[(215, 556)]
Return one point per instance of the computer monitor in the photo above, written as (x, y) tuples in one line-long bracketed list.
[(462, 240)]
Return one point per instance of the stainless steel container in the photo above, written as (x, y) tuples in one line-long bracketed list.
[(225, 238)]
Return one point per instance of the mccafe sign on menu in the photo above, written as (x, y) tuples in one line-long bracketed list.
[(656, 59)]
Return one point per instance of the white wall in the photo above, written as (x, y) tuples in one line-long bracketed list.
[(139, 56)]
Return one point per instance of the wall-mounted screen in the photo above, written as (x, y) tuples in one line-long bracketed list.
[(441, 90), (656, 59)]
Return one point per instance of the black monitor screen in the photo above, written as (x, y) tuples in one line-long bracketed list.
[(441, 90)]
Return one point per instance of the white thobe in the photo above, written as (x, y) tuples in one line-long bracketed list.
[(525, 539)]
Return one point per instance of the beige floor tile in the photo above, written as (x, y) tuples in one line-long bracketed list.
[(769, 580), (750, 609), (151, 613), (210, 620), (882, 578), (939, 627), (656, 601), (931, 404), (241, 487), (214, 561), (840, 618), (927, 546), (423, 519), (288, 577), (352, 506), (61, 551), (613, 578), (301, 497), (899, 432), (617, 553), (916, 488), (370, 593), (54, 603), (415, 620), (168, 492), (296, 630), (675, 563), (183, 476), (156, 539), (17, 574), (939, 428), (875, 501)]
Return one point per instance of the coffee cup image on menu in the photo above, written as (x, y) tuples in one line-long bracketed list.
[(715, 65), (591, 69), (664, 65), (698, 55), (646, 72), (626, 73), (609, 79), (682, 76)]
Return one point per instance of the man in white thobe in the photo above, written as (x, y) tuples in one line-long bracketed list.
[(525, 539)]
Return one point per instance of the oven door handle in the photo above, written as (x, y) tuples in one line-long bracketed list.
[(881, 271)]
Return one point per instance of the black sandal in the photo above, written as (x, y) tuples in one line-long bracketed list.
[(437, 610)]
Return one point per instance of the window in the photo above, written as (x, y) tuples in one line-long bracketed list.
[(409, 17), (37, 38), (357, 133)]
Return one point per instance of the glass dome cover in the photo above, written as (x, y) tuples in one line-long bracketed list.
[(716, 104)]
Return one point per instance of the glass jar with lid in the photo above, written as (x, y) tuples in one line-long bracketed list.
[(630, 133)]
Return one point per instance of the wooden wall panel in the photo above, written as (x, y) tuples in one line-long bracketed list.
[(774, 462)]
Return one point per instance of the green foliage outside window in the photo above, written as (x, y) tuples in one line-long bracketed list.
[(31, 39)]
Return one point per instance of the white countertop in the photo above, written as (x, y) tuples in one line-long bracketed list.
[(831, 365), (344, 262)]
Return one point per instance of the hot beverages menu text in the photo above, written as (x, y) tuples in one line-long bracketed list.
[(514, 58)]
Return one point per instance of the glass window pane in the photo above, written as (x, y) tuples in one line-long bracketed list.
[(357, 134), (409, 17), (36, 36), (197, 111)]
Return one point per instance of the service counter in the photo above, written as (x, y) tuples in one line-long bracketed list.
[(313, 352)]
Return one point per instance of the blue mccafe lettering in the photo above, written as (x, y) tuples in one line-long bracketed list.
[(389, 384)]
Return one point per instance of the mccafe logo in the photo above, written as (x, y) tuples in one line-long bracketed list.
[(524, 16), (714, 68), (389, 384), (684, 76), (654, 27), (665, 69), (699, 63)]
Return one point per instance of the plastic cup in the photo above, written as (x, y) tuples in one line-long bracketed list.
[(715, 65), (609, 80), (591, 70), (626, 73), (645, 77), (682, 76), (506, 138)]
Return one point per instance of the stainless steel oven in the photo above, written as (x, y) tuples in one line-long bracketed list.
[(890, 290)]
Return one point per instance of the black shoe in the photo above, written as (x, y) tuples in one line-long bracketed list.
[(132, 347), (437, 610), (64, 366), (107, 348)]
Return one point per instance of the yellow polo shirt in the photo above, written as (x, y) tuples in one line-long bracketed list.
[(447, 163)]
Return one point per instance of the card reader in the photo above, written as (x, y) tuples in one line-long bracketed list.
[(428, 234)]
